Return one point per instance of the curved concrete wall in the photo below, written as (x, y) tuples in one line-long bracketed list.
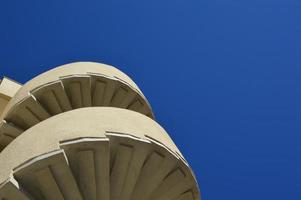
[(72, 69), (80, 123)]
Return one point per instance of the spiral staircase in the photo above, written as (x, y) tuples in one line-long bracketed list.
[(85, 131)]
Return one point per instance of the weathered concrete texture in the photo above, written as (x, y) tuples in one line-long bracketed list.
[(84, 131)]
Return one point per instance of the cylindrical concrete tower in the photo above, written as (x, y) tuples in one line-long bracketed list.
[(84, 131)]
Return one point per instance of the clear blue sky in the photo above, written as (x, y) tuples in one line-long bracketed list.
[(223, 77)]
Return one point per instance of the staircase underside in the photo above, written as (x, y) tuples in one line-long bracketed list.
[(66, 88), (95, 154)]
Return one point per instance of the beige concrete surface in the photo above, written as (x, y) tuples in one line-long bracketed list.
[(129, 133), (76, 69), (68, 87), (8, 88), (85, 131)]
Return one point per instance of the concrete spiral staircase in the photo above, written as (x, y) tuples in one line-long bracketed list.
[(85, 131)]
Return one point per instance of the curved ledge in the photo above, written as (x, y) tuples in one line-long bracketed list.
[(71, 86), (96, 153)]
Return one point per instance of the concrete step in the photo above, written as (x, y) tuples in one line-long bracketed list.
[(118, 167), (72, 92)]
